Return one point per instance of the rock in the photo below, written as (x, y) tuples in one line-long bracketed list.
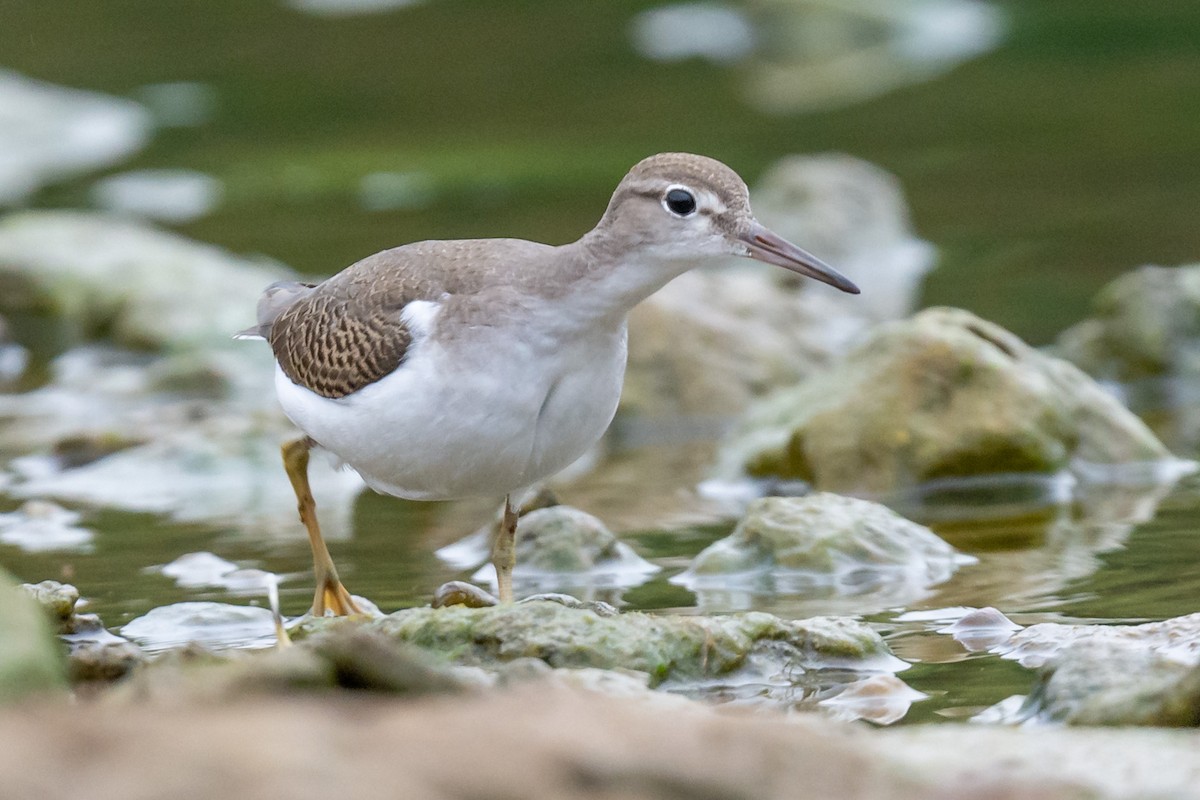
[(30, 657), (1146, 323), (128, 280), (95, 655), (1177, 639), (54, 132), (824, 56), (554, 743), (1145, 674), (56, 599), (39, 526), (205, 623), (180, 419), (823, 541), (1103, 683), (941, 395), (712, 340), (13, 357), (850, 213), (104, 662), (562, 541), (664, 647)]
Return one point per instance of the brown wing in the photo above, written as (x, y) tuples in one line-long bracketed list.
[(334, 344)]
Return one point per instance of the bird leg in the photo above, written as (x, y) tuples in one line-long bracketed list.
[(330, 593), (504, 552)]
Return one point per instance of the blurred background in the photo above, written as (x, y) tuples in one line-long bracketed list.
[(1043, 147)]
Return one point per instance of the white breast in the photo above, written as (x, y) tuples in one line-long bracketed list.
[(485, 414)]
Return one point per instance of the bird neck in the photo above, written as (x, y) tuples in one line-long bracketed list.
[(603, 277)]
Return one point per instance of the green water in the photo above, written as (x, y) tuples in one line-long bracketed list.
[(1041, 170)]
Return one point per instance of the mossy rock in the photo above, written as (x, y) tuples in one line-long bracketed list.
[(1146, 323), (666, 647), (942, 394), (31, 657)]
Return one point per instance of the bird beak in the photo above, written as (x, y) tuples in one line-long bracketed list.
[(774, 249)]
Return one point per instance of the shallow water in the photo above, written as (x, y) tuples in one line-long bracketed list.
[(1040, 170)]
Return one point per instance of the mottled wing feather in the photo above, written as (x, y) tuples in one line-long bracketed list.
[(334, 344)]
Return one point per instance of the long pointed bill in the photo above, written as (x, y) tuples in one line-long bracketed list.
[(774, 249)]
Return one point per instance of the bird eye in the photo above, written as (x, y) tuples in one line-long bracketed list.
[(680, 202)]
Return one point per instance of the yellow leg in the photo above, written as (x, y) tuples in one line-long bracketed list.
[(330, 594), (504, 552)]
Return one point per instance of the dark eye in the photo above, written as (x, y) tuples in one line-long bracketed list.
[(680, 201)]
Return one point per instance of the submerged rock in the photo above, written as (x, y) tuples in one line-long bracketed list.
[(204, 623), (824, 542), (943, 394), (1146, 323), (712, 340), (30, 658)]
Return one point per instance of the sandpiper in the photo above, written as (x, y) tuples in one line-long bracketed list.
[(445, 369)]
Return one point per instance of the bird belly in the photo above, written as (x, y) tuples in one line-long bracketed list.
[(495, 422)]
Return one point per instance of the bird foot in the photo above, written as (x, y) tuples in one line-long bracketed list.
[(460, 593), (332, 597)]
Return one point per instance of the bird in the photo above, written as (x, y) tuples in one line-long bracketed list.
[(445, 369)]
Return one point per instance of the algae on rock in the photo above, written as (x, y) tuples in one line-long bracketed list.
[(31, 658), (1145, 323), (665, 647), (942, 394), (824, 541)]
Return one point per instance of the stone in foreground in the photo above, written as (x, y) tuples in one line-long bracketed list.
[(944, 394), (30, 658)]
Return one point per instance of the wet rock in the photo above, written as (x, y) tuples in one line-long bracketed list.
[(941, 395), (94, 654), (1145, 674), (141, 287), (103, 662), (829, 55), (39, 526), (1146, 323), (882, 699), (13, 357), (712, 340), (1105, 683), (852, 214), (664, 647), (30, 657), (57, 601), (192, 412), (1177, 639), (822, 540), (53, 132), (204, 623), (560, 541)]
